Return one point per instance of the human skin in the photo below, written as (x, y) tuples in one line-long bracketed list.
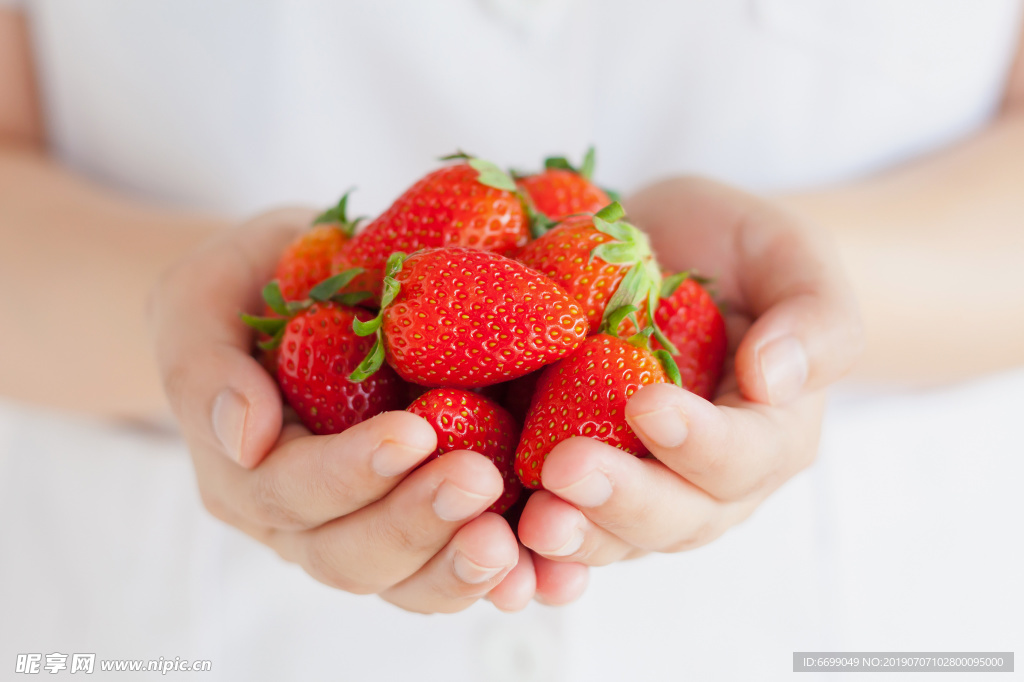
[(713, 463)]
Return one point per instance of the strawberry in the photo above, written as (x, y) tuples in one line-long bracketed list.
[(308, 260), (316, 350), (561, 190), (585, 395), (471, 204), (468, 421), (692, 322), (601, 261), (465, 318)]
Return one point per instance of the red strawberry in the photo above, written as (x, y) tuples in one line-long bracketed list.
[(471, 204), (561, 190), (468, 421), (466, 318), (309, 259), (601, 261), (316, 350), (690, 319), (585, 395)]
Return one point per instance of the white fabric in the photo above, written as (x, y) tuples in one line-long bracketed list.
[(242, 105), (905, 535)]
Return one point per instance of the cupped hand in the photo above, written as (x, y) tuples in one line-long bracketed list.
[(353, 509), (794, 328)]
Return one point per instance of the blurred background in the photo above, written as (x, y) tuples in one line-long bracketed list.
[(128, 133)]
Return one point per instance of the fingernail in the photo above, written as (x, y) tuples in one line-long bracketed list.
[(592, 490), (666, 427), (784, 369), (391, 458), (452, 503), (229, 413), (473, 573), (571, 545)]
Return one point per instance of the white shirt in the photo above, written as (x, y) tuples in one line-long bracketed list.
[(896, 539)]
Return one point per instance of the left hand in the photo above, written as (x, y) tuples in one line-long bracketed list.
[(794, 328)]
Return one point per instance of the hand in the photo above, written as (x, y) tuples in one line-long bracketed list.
[(348, 508), (794, 328)]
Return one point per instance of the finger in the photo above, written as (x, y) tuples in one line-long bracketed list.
[(559, 583), (516, 589), (558, 531), (808, 332), (731, 450), (309, 480), (479, 557), (640, 502), (389, 540), (224, 401)]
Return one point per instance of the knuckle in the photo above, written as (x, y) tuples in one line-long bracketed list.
[(451, 595), (322, 562), (748, 485), (592, 556), (395, 533), (271, 503), (700, 535), (703, 461), (336, 481)]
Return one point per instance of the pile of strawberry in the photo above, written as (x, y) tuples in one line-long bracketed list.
[(511, 311)]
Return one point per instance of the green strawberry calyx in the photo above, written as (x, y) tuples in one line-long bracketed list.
[(375, 358), (642, 283), (488, 173), (611, 323), (491, 175), (585, 169), (540, 224), (325, 291), (338, 215), (642, 340)]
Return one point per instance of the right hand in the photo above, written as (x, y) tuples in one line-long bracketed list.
[(349, 508)]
